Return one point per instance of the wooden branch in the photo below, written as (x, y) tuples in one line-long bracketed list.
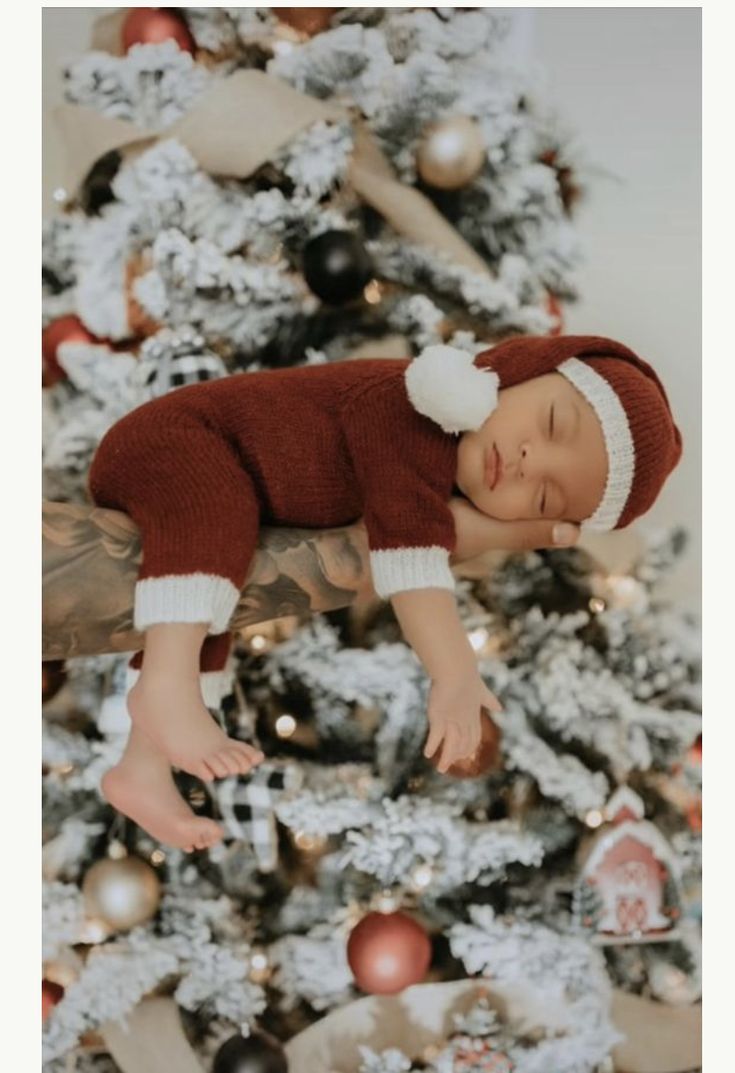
[(91, 559)]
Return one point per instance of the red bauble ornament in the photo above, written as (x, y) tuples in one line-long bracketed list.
[(67, 329), (485, 757), (151, 25), (308, 20), (51, 995), (554, 309), (388, 952)]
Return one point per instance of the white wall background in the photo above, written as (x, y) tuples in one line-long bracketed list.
[(627, 81)]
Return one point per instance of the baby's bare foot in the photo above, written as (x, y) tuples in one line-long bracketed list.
[(183, 729), (141, 786)]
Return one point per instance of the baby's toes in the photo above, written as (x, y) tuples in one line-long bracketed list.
[(240, 764), (229, 761), (252, 754), (218, 765), (212, 833)]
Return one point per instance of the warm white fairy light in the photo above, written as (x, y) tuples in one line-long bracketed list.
[(309, 841), (596, 604), (59, 194), (373, 292), (158, 857), (593, 818), (93, 930), (386, 901), (285, 726), (422, 875), (258, 642)]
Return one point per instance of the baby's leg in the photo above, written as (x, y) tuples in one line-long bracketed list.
[(183, 483), (166, 703), (141, 786)]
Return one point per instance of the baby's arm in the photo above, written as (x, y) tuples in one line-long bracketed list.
[(431, 624)]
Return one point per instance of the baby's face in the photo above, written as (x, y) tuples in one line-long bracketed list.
[(540, 454)]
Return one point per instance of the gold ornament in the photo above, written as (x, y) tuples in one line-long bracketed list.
[(451, 153), (122, 892)]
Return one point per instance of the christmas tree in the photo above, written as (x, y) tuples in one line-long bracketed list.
[(376, 180)]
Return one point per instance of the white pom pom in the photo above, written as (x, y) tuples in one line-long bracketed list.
[(444, 383)]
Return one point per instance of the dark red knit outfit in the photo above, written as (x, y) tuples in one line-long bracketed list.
[(202, 468)]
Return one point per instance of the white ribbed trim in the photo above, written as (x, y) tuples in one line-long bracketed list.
[(215, 685), (618, 441), (411, 568), (185, 598)]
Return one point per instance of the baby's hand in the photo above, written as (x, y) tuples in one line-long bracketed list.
[(454, 717)]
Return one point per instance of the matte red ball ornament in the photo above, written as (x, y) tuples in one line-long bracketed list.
[(67, 329), (151, 25), (51, 995), (553, 308), (308, 20), (388, 952), (485, 758)]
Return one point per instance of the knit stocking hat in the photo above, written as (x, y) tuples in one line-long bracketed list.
[(643, 444)]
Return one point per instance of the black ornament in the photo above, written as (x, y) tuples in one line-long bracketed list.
[(336, 266), (257, 1053), (96, 189)]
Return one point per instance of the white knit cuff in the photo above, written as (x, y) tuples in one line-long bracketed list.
[(618, 441), (400, 569), (215, 685), (185, 598)]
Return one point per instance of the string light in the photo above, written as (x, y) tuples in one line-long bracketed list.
[(373, 292), (594, 818), (285, 726), (386, 901), (116, 850), (260, 968), (258, 642), (93, 930), (308, 841), (60, 195), (422, 875), (158, 857), (597, 605)]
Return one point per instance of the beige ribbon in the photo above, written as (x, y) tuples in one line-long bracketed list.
[(659, 1038), (239, 124)]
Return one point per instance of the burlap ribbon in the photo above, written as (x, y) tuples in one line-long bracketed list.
[(239, 124), (659, 1038)]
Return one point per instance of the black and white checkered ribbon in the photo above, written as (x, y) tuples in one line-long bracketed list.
[(176, 357), (247, 806)]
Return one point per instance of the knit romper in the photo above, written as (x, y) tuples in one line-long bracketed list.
[(200, 469)]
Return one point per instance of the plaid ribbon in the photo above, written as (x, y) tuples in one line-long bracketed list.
[(178, 370), (247, 805)]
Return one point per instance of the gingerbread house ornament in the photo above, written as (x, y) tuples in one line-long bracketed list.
[(628, 889)]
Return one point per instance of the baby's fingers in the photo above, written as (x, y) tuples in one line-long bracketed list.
[(452, 750), (490, 701), (436, 733)]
